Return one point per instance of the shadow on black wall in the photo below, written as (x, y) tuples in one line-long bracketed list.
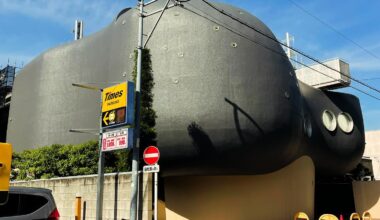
[(201, 140), (236, 111)]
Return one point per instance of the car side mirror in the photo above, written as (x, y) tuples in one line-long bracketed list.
[(5, 171)]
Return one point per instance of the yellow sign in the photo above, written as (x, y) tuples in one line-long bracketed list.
[(5, 169), (114, 97)]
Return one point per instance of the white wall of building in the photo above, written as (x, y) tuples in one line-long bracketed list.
[(372, 150)]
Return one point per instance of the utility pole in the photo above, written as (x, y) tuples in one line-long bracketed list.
[(289, 41), (136, 143), (100, 183), (288, 44), (78, 30)]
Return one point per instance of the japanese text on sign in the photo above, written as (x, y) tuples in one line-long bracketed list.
[(115, 140)]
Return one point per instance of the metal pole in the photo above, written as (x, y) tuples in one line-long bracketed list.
[(155, 196), (288, 44), (136, 143), (99, 191)]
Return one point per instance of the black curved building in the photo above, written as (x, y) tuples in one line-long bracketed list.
[(226, 96)]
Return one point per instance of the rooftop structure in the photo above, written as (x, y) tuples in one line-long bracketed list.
[(333, 74)]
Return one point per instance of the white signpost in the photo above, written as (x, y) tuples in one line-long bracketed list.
[(151, 156), (151, 168)]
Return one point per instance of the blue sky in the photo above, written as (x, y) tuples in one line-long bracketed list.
[(29, 28)]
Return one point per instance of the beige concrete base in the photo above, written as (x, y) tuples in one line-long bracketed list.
[(367, 197), (278, 195)]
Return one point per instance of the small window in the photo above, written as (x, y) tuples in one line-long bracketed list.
[(345, 122), (329, 120)]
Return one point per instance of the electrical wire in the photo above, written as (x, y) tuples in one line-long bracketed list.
[(364, 92), (292, 48), (334, 29), (218, 22), (155, 25), (376, 78)]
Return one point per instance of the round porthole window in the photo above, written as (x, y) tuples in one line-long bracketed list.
[(345, 122), (329, 120), (307, 127)]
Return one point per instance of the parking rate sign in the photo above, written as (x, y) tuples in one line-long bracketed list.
[(117, 139)]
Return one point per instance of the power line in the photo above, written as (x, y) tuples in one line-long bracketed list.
[(218, 22), (334, 29), (364, 92), (376, 78), (283, 44), (155, 25)]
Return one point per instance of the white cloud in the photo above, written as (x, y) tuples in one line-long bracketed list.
[(365, 64), (94, 13), (359, 59)]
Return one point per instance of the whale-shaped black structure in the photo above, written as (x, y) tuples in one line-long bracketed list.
[(226, 97)]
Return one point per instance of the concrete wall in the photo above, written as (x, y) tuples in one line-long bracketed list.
[(278, 195), (372, 150), (116, 200), (367, 196)]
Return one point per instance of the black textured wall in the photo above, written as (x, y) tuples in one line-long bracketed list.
[(227, 99)]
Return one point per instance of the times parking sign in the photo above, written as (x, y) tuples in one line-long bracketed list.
[(118, 105)]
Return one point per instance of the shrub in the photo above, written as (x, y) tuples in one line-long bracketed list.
[(65, 160)]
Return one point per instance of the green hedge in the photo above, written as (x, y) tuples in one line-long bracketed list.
[(148, 116), (65, 160)]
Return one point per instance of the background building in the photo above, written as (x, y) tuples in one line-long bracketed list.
[(372, 151), (7, 76)]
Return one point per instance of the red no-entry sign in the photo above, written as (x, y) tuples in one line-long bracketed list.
[(151, 155)]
